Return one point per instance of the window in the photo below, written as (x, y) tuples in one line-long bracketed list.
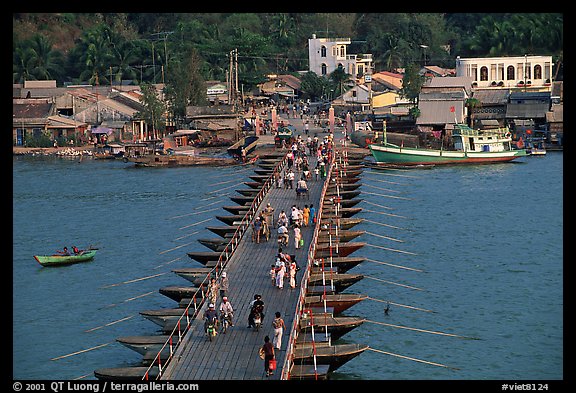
[(510, 73), (483, 73), (323, 51), (537, 71), (474, 72), (324, 69), (528, 71), (342, 51)]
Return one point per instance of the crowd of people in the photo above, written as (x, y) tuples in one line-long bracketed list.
[(309, 158)]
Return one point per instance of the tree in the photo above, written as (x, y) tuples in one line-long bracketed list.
[(412, 83), (185, 85), (154, 109), (339, 81)]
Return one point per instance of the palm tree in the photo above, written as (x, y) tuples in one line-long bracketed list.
[(46, 62), (95, 55), (339, 79)]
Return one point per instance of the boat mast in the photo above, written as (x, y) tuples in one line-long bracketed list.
[(384, 140)]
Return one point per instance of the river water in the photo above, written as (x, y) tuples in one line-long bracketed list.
[(469, 258)]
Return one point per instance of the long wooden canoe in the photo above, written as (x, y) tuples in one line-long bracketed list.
[(331, 193), (163, 315), (345, 223), (341, 264), (341, 281), (253, 184), (60, 260), (223, 231), (215, 244), (251, 192), (195, 275), (264, 172), (337, 326), (343, 202), (134, 373), (177, 292), (343, 236), (340, 250), (144, 344), (204, 256), (333, 355), (236, 209), (344, 187), (229, 220), (340, 302), (242, 200), (344, 212), (309, 372)]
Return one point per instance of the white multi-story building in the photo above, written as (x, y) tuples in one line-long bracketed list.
[(533, 72), (327, 54)]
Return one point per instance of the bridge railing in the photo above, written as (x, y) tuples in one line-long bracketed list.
[(197, 301)]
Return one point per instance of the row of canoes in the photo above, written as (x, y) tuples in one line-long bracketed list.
[(324, 303)]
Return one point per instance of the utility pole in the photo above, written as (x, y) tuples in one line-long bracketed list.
[(230, 69), (236, 91)]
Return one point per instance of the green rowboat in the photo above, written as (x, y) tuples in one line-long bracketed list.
[(59, 260)]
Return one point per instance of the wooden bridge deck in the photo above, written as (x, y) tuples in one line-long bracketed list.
[(234, 355)]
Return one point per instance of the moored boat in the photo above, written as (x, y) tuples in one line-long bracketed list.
[(178, 292), (60, 260), (340, 301), (329, 202), (337, 326), (341, 264), (333, 355), (340, 281), (469, 147), (161, 316), (132, 373), (332, 193), (248, 192), (242, 200), (215, 244), (309, 372), (343, 236), (248, 143), (253, 184), (345, 223), (236, 209), (204, 256), (196, 276), (223, 231), (145, 344), (172, 160), (345, 212), (340, 250), (230, 220)]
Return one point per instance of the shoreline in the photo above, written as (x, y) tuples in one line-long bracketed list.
[(51, 151)]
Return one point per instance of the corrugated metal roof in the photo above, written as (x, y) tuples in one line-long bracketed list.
[(442, 95), (439, 112), (526, 110), (492, 96), (464, 82)]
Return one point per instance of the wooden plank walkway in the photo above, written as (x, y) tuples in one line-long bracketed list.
[(234, 355)]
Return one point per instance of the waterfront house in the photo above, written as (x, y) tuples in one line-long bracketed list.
[(442, 103), (532, 73), (325, 55), (37, 118)]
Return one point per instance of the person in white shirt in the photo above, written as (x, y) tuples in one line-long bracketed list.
[(283, 235)]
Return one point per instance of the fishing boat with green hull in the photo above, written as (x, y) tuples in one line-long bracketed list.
[(61, 260), (469, 147)]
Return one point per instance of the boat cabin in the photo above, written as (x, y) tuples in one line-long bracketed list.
[(492, 140)]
